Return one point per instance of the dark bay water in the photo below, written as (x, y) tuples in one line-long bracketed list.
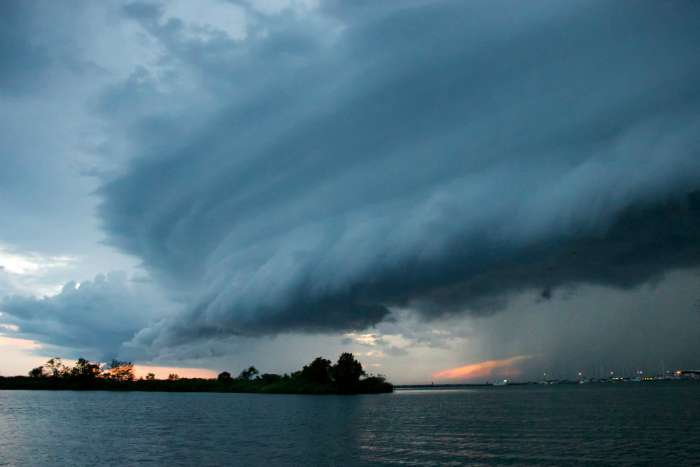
[(551, 425)]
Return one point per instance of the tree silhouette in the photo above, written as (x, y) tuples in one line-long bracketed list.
[(56, 368), (318, 377), (84, 370), (269, 378), (317, 371), (120, 371), (347, 372), (248, 374)]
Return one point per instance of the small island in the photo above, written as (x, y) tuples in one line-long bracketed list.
[(320, 376)]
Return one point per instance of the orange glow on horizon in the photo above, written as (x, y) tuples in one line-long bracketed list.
[(18, 343), (485, 369), (19, 347), (162, 372)]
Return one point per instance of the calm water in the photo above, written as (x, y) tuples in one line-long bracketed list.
[(555, 425)]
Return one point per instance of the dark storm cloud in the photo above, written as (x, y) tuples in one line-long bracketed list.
[(23, 60), (440, 155), (38, 46), (638, 246), (651, 328), (92, 318)]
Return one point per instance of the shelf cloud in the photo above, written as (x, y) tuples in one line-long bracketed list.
[(312, 167), (435, 155)]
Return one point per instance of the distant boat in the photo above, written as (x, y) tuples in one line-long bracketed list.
[(501, 383)]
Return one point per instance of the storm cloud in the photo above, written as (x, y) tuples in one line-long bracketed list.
[(309, 171), (92, 318), (419, 181)]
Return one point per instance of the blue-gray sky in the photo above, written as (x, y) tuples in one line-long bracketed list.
[(430, 184)]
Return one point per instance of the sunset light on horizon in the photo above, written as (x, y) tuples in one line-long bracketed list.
[(486, 369), (162, 372)]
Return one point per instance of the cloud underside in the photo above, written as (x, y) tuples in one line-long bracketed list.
[(315, 168), (91, 319), (435, 157)]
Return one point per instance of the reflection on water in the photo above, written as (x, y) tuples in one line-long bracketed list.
[(607, 424)]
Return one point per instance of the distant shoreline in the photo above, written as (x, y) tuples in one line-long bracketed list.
[(318, 377), (405, 387), (280, 387), (190, 385)]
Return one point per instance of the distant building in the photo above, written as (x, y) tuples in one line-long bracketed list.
[(688, 374)]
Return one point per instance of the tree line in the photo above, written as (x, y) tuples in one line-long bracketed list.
[(321, 376), (84, 370)]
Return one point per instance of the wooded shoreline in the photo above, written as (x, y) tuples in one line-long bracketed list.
[(366, 386), (319, 377)]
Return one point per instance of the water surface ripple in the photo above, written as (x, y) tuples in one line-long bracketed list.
[(625, 424)]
